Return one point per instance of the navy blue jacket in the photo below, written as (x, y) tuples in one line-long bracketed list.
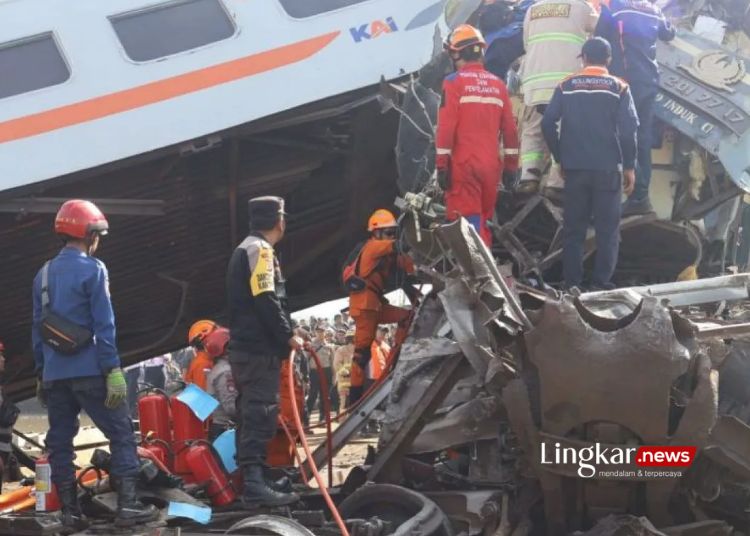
[(632, 28), (598, 122), (78, 291)]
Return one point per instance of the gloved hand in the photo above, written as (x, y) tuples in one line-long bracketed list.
[(444, 179), (117, 388), (41, 396)]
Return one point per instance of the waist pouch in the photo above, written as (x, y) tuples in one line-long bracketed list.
[(58, 332)]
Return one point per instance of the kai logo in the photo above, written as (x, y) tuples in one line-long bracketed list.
[(372, 30)]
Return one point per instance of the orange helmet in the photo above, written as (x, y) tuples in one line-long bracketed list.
[(216, 342), (464, 36), (199, 331), (381, 219)]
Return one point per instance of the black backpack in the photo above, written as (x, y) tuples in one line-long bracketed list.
[(350, 277)]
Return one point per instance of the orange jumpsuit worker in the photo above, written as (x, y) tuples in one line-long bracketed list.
[(202, 362), (368, 307), (475, 114)]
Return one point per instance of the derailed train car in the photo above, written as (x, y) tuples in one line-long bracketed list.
[(700, 167)]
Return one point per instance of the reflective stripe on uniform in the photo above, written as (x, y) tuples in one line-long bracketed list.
[(557, 36), (532, 156), (547, 76), (443, 151), (606, 92), (481, 100), (510, 152)]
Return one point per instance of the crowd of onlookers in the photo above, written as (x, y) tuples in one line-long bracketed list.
[(333, 344), (332, 341)]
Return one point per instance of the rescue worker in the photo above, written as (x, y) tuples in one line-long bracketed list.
[(260, 339), (342, 366), (220, 383), (201, 364), (632, 28), (475, 114), (504, 36), (76, 289), (597, 137), (377, 262), (553, 33), (324, 350)]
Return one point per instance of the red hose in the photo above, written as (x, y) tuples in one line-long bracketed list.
[(298, 422), (293, 442), (392, 357), (325, 400)]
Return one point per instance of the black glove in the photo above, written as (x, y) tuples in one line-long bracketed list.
[(509, 179), (444, 178)]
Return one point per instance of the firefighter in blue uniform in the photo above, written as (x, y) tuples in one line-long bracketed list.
[(632, 28), (89, 378), (596, 147)]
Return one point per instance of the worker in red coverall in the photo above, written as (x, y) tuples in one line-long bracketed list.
[(475, 114)]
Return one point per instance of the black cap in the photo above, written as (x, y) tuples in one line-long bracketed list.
[(263, 213), (597, 51)]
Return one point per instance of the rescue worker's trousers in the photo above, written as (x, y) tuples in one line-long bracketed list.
[(256, 378), (65, 400), (591, 194), (534, 151), (472, 194), (644, 98), (366, 324)]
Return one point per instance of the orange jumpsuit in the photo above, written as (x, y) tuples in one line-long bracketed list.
[(280, 449), (198, 369), (378, 259)]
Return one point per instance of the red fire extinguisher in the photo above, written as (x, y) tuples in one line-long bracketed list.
[(187, 427), (160, 449), (202, 462), (155, 415), (45, 491)]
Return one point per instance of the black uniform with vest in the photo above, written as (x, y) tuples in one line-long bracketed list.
[(596, 139), (260, 331)]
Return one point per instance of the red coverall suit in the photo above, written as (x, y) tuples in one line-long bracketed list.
[(475, 113)]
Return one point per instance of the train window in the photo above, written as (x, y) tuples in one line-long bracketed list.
[(31, 63), (300, 9), (172, 27)]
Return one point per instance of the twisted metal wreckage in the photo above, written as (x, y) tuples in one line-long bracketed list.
[(496, 375), (493, 372)]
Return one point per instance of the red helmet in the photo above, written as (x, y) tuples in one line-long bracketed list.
[(79, 219), (216, 342)]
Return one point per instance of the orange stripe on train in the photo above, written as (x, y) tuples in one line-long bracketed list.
[(161, 90)]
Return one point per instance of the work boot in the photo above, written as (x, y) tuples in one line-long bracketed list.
[(71, 517), (258, 493), (636, 207), (130, 511)]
